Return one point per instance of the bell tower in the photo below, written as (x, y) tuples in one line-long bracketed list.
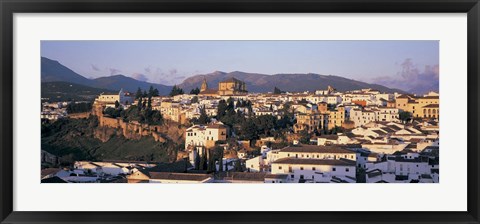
[(204, 85)]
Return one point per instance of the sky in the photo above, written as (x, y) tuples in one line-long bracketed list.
[(170, 62)]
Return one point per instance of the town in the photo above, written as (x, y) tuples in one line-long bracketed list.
[(231, 135)]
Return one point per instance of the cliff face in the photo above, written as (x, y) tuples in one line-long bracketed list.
[(107, 127), (104, 133)]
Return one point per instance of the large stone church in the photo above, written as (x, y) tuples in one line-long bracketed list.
[(231, 86)]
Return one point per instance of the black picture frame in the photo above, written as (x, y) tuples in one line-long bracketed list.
[(9, 7)]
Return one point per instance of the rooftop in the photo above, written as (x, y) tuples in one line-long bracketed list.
[(330, 162), (178, 176), (317, 149)]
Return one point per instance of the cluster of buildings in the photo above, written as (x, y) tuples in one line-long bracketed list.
[(376, 145), (53, 111)]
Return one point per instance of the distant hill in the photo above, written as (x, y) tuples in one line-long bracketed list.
[(287, 82), (66, 91), (53, 71), (128, 84)]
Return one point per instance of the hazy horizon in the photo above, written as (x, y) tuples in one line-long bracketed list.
[(395, 64)]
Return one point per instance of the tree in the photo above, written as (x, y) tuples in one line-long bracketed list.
[(139, 104), (221, 109), (265, 123), (203, 119), (117, 104), (203, 162), (211, 161), (304, 136), (176, 91), (195, 91), (197, 161), (156, 118), (73, 107), (405, 116), (248, 130), (277, 90), (144, 94), (150, 92), (238, 166), (139, 93), (155, 92), (149, 103), (194, 99)]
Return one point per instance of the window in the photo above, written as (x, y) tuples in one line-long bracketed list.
[(347, 169), (290, 170), (279, 167), (313, 168), (301, 168), (301, 176), (293, 176), (333, 169)]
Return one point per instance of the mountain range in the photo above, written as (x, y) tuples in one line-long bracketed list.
[(53, 71), (286, 82)]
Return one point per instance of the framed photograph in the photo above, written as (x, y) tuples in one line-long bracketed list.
[(238, 111)]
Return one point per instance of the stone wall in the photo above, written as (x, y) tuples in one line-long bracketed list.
[(135, 130), (79, 115)]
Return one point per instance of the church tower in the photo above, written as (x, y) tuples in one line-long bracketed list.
[(204, 85)]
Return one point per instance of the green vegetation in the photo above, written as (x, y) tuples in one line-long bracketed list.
[(249, 127), (65, 91), (277, 91), (194, 99), (74, 139), (405, 116), (195, 91), (74, 107), (176, 91), (152, 92)]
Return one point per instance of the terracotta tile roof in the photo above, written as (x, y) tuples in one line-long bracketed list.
[(49, 171), (178, 176), (331, 162), (431, 106), (317, 149), (245, 176)]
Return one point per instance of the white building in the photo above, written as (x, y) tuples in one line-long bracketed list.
[(110, 99), (361, 117), (201, 135), (315, 170)]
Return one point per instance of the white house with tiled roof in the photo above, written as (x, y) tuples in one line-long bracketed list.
[(316, 170)]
